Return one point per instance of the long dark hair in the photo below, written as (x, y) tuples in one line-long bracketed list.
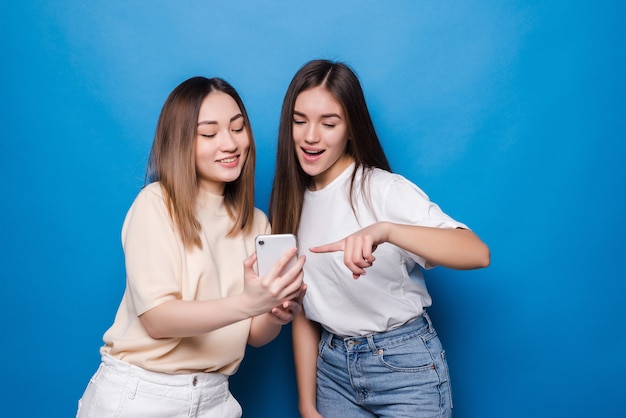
[(172, 159), (290, 181)]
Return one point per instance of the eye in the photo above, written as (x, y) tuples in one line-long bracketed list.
[(208, 136), (238, 130), (299, 122), (329, 125)]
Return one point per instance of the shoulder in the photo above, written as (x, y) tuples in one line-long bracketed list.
[(152, 191), (259, 216), (147, 213), (150, 199), (385, 182)]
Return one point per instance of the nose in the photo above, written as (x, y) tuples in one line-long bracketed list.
[(227, 142), (312, 134)]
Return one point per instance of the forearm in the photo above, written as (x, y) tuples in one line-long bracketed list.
[(306, 336), (263, 330), (177, 318), (454, 248)]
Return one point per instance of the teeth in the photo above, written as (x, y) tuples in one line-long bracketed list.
[(227, 160), (313, 152)]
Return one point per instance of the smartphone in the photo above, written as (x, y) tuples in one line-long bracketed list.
[(269, 248)]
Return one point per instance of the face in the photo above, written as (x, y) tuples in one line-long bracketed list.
[(222, 142), (320, 135)]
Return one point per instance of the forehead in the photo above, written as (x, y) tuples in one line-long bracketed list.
[(317, 100), (218, 106)]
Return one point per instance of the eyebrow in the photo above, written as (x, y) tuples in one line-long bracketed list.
[(325, 115), (213, 122)]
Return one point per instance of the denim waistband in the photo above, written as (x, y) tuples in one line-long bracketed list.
[(372, 342), (185, 379)]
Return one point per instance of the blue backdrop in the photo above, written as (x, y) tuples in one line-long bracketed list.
[(509, 114)]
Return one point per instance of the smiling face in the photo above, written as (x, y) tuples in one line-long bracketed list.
[(222, 142), (320, 135)]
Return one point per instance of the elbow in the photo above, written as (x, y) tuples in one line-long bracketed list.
[(260, 340), (151, 327), (484, 257), (256, 344), (262, 332)]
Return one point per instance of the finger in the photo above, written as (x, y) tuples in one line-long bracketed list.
[(293, 291), (296, 268), (250, 260), (289, 285), (248, 265), (278, 266), (368, 248), (287, 310), (293, 307), (302, 293), (362, 251), (329, 248), (351, 254), (290, 276), (281, 316)]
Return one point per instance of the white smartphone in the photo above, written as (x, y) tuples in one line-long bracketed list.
[(269, 248)]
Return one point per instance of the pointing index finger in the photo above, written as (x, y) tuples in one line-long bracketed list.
[(328, 248)]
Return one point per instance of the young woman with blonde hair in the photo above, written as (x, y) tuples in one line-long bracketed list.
[(192, 300)]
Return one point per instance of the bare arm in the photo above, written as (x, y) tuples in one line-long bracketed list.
[(178, 318), (306, 337), (458, 248)]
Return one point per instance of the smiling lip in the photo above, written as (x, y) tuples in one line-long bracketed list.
[(311, 154), (229, 161)]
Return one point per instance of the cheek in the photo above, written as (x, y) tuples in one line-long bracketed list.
[(296, 133), (205, 152), (245, 151), (244, 146), (203, 149), (338, 140)]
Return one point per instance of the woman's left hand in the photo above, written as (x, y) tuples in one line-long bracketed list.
[(285, 313)]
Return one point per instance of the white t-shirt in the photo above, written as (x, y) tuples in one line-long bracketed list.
[(393, 291)]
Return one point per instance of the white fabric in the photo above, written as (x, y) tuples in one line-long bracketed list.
[(119, 389), (393, 291)]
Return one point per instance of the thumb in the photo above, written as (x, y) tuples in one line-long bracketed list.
[(248, 263)]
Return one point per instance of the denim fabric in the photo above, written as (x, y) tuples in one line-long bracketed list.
[(119, 389), (399, 373)]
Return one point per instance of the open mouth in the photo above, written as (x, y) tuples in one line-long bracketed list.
[(312, 152)]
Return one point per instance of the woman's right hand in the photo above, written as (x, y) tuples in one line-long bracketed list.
[(263, 293)]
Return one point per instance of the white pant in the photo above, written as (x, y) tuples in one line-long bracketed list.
[(119, 389)]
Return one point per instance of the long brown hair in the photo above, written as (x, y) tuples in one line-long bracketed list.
[(172, 160), (290, 181)]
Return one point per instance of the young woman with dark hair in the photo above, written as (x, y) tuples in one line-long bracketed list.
[(364, 345)]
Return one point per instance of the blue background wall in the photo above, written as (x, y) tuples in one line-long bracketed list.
[(509, 114)]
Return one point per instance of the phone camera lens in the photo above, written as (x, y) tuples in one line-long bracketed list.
[(261, 242)]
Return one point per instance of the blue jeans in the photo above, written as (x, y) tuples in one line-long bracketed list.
[(398, 373)]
